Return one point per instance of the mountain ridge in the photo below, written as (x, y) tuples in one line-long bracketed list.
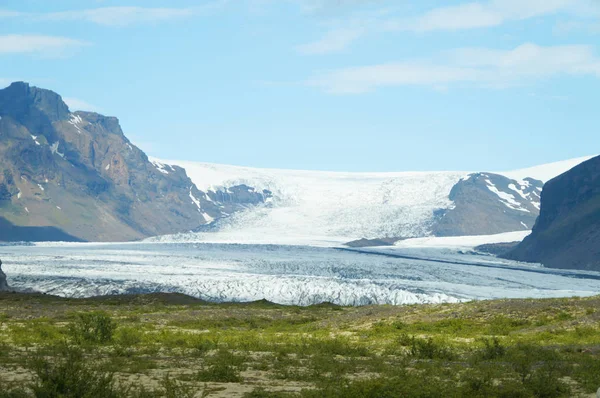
[(78, 172)]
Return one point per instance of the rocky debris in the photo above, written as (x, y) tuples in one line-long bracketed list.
[(496, 249), (567, 232), (372, 242), (487, 203)]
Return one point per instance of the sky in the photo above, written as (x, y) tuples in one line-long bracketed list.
[(345, 85)]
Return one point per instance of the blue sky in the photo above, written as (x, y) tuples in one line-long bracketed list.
[(356, 85)]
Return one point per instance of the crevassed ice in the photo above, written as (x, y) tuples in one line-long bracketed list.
[(325, 206)]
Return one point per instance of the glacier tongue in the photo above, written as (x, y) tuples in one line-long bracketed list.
[(284, 274), (323, 208)]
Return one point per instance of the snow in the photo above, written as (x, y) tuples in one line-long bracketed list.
[(76, 120), (54, 149), (107, 167), (195, 200), (34, 137), (19, 195), (545, 172), (323, 208), (522, 194), (506, 198), (462, 242), (27, 210), (208, 218), (160, 166), (330, 208), (524, 225), (41, 187)]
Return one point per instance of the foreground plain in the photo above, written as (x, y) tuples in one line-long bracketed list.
[(176, 346)]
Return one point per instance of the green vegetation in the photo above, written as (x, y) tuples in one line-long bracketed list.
[(175, 346)]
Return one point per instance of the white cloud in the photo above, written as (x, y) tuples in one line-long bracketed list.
[(123, 16), (334, 41), (478, 66), (38, 44), (9, 14), (76, 104), (119, 16), (482, 14), (465, 16)]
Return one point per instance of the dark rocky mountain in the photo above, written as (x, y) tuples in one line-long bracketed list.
[(487, 203), (3, 284), (75, 176), (567, 232)]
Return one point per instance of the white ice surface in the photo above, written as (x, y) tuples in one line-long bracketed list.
[(328, 208), (284, 274), (323, 208), (462, 242)]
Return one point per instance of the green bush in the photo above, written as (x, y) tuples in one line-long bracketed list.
[(223, 367), (220, 373), (492, 349), (92, 327), (430, 349), (67, 375)]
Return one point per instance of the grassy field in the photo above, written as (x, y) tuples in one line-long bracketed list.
[(175, 346)]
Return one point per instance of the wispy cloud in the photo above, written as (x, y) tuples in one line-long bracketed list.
[(9, 14), (481, 14), (478, 66), (38, 44), (465, 16), (76, 104), (121, 16), (334, 41)]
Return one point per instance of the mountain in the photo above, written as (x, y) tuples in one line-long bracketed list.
[(567, 232), (75, 176)]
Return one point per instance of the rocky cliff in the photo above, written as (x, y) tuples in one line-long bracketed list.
[(75, 176), (567, 232), (3, 284)]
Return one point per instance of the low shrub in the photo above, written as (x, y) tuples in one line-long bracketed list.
[(92, 327)]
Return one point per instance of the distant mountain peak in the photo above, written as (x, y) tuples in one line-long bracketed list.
[(34, 107)]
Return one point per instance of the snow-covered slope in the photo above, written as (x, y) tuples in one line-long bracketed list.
[(546, 172), (325, 208)]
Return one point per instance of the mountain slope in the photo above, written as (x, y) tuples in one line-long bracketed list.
[(78, 172), (567, 233)]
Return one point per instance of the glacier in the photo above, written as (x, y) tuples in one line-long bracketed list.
[(321, 208), (290, 249), (286, 274)]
